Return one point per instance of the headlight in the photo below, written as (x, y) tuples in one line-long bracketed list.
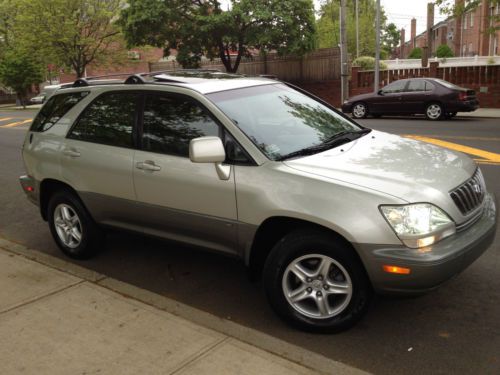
[(418, 225)]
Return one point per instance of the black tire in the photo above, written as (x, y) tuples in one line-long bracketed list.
[(92, 237), (299, 245), (434, 111), (359, 110)]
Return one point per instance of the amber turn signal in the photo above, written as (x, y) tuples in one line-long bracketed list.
[(395, 269)]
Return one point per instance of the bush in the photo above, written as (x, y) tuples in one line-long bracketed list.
[(416, 53), (444, 51), (367, 63)]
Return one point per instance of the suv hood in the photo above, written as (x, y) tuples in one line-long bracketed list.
[(404, 168)]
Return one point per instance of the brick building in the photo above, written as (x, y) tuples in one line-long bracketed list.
[(466, 35)]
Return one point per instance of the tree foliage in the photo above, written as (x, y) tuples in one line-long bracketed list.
[(367, 63), (329, 28), (19, 71), (197, 28), (416, 53), (444, 51), (72, 33)]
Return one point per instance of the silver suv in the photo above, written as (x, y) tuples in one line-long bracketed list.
[(324, 210)]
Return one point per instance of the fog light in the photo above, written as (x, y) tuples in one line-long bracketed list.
[(396, 269)]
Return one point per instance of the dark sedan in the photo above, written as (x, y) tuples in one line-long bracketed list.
[(435, 98)]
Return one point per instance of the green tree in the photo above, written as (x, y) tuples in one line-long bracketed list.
[(444, 51), (19, 71), (390, 38), (367, 63), (8, 11), (199, 28), (416, 53), (70, 33), (328, 26)]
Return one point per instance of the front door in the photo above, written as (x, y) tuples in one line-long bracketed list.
[(388, 99), (176, 198)]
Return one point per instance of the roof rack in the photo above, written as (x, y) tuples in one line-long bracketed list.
[(137, 78)]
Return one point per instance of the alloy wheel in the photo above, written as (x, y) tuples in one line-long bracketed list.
[(68, 225), (317, 286)]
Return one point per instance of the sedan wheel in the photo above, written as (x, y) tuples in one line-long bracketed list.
[(434, 111), (359, 110)]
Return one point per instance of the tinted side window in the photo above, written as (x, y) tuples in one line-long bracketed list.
[(171, 121), (429, 86), (416, 85), (395, 87), (55, 108), (108, 120)]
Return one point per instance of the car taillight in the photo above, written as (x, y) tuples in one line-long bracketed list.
[(462, 95)]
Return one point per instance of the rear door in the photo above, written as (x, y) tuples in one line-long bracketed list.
[(176, 198), (417, 93), (98, 155)]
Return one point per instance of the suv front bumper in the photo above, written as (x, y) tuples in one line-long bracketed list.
[(432, 265)]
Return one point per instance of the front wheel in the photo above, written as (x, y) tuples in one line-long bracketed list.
[(434, 111), (316, 283), (74, 231), (359, 110)]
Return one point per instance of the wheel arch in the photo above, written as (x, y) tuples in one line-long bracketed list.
[(48, 188), (272, 230)]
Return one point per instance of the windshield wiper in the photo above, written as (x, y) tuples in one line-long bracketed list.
[(334, 141)]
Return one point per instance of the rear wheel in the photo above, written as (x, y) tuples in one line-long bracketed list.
[(434, 111), (74, 231), (359, 110), (316, 283)]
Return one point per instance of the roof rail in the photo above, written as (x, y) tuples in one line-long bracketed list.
[(136, 78)]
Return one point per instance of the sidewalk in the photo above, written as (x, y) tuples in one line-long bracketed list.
[(482, 112), (59, 318)]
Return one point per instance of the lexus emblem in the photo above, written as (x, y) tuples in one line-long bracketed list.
[(477, 188)]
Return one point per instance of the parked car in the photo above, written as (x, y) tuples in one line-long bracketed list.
[(326, 211), (39, 99), (435, 98)]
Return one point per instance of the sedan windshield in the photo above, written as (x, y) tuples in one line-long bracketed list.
[(282, 122)]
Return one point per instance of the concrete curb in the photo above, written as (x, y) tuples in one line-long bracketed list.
[(248, 335)]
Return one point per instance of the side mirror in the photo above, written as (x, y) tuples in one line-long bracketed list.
[(210, 150), (380, 92)]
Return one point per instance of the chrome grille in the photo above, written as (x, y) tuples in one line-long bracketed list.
[(470, 194)]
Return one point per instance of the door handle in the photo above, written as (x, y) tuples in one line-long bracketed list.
[(71, 152), (147, 165)]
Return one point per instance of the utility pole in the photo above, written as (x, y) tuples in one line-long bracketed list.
[(377, 49), (344, 75), (357, 28)]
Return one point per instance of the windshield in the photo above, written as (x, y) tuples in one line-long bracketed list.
[(281, 120)]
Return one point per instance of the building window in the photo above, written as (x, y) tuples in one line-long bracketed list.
[(471, 19), (470, 49), (464, 18), (464, 50)]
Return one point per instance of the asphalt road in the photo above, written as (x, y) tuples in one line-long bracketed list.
[(455, 329)]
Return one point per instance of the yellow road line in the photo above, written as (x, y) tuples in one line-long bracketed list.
[(18, 123), (460, 137), (486, 156), (5, 118)]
